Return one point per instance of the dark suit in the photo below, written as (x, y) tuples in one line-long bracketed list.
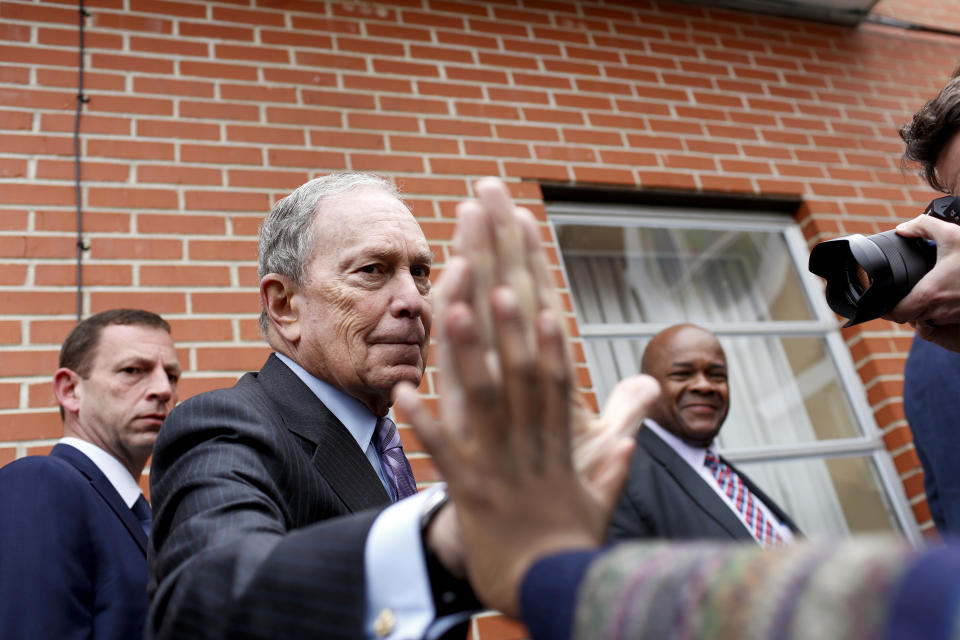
[(247, 485), (72, 554), (665, 498)]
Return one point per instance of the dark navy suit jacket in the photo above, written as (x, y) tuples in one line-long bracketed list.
[(665, 498), (72, 554)]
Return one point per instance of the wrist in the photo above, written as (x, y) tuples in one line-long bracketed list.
[(444, 559)]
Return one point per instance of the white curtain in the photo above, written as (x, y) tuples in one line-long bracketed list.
[(671, 276)]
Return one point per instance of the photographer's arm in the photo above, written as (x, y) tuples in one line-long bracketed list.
[(933, 306)]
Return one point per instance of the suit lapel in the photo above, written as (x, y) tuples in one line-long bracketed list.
[(104, 489), (693, 484), (337, 456)]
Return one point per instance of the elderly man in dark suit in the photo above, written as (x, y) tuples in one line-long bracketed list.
[(270, 496), (73, 533), (679, 486)]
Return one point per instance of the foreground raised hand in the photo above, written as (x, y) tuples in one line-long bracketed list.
[(501, 246), (510, 426)]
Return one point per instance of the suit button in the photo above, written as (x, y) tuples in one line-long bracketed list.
[(385, 623)]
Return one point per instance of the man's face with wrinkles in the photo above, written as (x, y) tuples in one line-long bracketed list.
[(364, 305)]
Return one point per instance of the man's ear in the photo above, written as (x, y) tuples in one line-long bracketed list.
[(278, 297), (66, 389)]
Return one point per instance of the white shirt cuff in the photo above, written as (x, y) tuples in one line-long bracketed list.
[(399, 599)]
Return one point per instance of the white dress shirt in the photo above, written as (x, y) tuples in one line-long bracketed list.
[(116, 473), (695, 457)]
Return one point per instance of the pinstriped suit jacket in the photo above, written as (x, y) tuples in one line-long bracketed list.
[(258, 532)]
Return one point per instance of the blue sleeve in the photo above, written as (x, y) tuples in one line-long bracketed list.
[(45, 584), (925, 604), (548, 596)]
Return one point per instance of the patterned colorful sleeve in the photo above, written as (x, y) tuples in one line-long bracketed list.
[(865, 588)]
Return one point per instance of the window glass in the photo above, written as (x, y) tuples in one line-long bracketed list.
[(843, 495), (811, 445), (698, 274)]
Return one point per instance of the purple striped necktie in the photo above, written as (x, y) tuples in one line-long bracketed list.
[(746, 504), (394, 463)]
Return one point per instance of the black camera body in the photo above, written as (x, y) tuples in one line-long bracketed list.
[(868, 275)]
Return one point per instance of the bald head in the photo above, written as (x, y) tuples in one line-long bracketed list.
[(691, 368)]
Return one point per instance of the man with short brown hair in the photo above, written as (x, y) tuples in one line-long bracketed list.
[(73, 533)]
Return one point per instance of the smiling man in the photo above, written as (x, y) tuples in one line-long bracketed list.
[(74, 528), (679, 486)]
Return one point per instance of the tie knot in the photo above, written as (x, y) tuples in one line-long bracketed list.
[(711, 461), (385, 435)]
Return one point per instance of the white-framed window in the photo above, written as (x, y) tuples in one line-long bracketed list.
[(799, 423)]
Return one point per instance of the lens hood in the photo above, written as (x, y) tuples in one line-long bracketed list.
[(868, 275)]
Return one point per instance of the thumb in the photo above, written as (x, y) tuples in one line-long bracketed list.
[(611, 472), (923, 226), (629, 403)]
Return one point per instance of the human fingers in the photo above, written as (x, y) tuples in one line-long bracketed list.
[(545, 288), (511, 259), (435, 435), (627, 405), (454, 285), (924, 226), (474, 243), (610, 473), (477, 380), (556, 387), (519, 380)]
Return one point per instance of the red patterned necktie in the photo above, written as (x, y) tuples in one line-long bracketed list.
[(747, 506), (394, 463)]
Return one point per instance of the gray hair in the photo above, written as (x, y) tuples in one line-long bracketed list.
[(286, 240)]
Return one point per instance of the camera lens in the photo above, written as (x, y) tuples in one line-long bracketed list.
[(862, 279), (868, 275)]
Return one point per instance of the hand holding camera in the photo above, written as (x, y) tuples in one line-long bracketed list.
[(933, 305), (911, 274)]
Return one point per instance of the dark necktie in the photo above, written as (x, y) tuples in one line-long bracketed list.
[(395, 465), (141, 509), (747, 505)]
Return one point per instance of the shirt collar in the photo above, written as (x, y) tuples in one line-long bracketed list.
[(354, 415), (116, 473), (693, 455)]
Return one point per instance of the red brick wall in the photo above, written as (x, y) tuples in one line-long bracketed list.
[(201, 114)]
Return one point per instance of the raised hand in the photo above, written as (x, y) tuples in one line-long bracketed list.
[(511, 426)]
